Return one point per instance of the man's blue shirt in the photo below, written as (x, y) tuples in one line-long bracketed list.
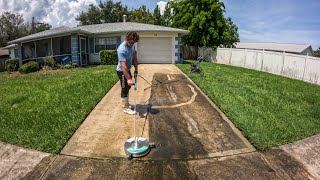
[(124, 54)]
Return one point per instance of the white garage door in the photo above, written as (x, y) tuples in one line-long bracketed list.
[(155, 50)]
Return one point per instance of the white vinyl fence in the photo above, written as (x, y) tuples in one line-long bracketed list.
[(306, 68)]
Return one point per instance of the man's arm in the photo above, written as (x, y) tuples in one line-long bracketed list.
[(126, 72)]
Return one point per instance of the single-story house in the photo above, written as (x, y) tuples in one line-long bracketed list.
[(12, 50), (82, 44), (4, 53), (303, 49)]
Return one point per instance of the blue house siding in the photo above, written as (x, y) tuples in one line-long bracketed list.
[(75, 49), (91, 45), (20, 55), (177, 49)]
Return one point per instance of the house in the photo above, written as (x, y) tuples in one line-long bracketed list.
[(278, 47), (4, 55), (12, 50), (82, 44)]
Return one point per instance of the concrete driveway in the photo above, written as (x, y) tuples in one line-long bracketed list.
[(173, 114)]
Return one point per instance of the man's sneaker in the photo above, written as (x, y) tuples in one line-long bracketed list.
[(129, 111)]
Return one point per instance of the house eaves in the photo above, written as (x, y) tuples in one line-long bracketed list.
[(106, 28), (49, 33), (123, 27), (10, 46)]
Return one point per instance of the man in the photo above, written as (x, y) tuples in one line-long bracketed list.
[(127, 56)]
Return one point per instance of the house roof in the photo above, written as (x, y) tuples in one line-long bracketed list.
[(100, 29), (48, 33), (4, 52), (286, 47), (10, 46), (128, 26)]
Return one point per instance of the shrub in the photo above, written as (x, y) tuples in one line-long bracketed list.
[(12, 64), (108, 57), (49, 61), (29, 67)]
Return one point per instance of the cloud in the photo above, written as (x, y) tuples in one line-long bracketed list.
[(55, 12), (162, 6)]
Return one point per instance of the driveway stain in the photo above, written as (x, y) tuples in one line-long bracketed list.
[(186, 127)]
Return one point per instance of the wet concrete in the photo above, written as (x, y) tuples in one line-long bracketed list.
[(193, 130), (254, 166)]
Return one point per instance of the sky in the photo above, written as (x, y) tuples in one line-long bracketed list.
[(280, 21)]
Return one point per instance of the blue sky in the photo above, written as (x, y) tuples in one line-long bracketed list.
[(282, 21)]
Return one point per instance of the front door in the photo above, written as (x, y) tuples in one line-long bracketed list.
[(83, 52)]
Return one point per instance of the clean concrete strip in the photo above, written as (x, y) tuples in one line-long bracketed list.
[(106, 128), (307, 151), (16, 162)]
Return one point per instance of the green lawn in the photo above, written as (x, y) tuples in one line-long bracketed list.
[(42, 110), (270, 110)]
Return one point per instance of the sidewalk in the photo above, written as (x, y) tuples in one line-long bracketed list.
[(194, 139)]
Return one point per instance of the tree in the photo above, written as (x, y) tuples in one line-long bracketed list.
[(41, 27), (11, 27), (206, 23), (92, 16), (165, 19), (107, 12), (113, 11), (317, 52), (158, 18), (142, 15), (167, 15), (230, 34)]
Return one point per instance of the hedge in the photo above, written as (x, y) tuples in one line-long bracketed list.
[(108, 57)]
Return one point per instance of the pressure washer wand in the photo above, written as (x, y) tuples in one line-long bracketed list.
[(135, 108)]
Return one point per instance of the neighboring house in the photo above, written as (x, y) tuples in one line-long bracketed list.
[(12, 50), (4, 55), (278, 47), (82, 44)]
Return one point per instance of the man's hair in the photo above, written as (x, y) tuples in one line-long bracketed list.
[(132, 36)]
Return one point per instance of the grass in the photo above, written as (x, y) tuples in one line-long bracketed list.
[(42, 110), (270, 110)]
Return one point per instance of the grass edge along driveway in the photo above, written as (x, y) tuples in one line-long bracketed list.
[(42, 110), (270, 110)]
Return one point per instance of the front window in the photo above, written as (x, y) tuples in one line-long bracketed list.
[(29, 50), (105, 44), (61, 45), (43, 48)]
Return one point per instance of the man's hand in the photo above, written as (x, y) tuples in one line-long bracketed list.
[(135, 74), (130, 82)]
